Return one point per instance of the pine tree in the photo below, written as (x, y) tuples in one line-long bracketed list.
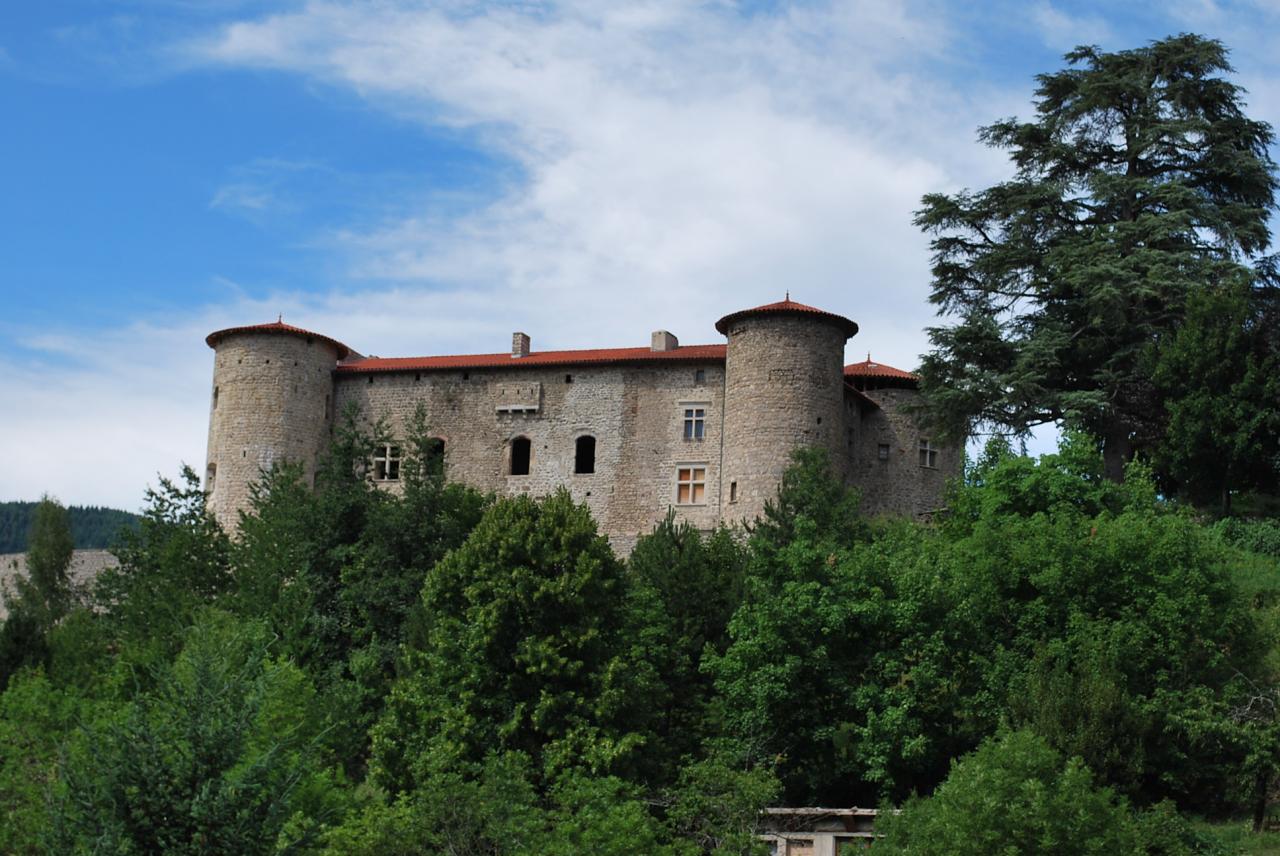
[(1140, 183)]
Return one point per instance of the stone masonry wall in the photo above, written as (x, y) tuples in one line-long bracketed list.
[(270, 401), (634, 412), (898, 485), (784, 389)]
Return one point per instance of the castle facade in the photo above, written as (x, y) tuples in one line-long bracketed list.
[(703, 430)]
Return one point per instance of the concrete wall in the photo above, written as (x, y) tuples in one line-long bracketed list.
[(634, 412), (270, 401)]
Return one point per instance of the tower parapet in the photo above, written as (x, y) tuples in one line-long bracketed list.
[(784, 389), (272, 400)]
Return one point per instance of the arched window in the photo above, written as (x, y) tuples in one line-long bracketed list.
[(584, 455), (521, 450)]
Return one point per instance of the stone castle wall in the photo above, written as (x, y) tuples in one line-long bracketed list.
[(635, 414), (897, 484), (271, 400), (785, 390), (779, 387)]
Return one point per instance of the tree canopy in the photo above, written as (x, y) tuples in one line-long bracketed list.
[(1140, 187)]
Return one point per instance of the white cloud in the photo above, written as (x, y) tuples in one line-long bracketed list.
[(1062, 31), (676, 161)]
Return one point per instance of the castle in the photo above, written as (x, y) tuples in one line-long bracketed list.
[(705, 430)]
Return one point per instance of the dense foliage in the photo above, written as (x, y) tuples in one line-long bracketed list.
[(1117, 283), (436, 671), (92, 527)]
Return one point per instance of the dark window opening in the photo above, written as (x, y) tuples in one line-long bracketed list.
[(417, 376), (215, 398), (568, 378), (326, 408), (882, 451), (733, 491), (370, 378), (700, 376), (210, 476), (584, 456), (466, 375), (521, 450), (434, 463), (694, 422)]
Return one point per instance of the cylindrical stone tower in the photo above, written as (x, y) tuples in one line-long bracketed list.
[(784, 389), (272, 400)]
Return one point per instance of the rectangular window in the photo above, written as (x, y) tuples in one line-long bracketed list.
[(695, 419), (882, 451), (386, 463), (928, 455), (691, 485), (733, 491), (700, 376), (215, 398)]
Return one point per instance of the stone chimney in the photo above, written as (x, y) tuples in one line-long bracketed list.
[(519, 345), (663, 341)]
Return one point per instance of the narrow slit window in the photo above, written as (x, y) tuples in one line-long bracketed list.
[(210, 478), (733, 491), (695, 420), (215, 398), (584, 455), (386, 463), (928, 455), (521, 451), (691, 485), (882, 451)]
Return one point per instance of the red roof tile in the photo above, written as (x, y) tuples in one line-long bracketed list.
[(788, 307), (276, 327), (596, 356), (866, 368)]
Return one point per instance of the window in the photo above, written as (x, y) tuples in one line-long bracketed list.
[(928, 455), (584, 455), (521, 450), (215, 398), (434, 453), (733, 491), (882, 451), (694, 422), (386, 463), (210, 477), (691, 485), (568, 378), (700, 376)]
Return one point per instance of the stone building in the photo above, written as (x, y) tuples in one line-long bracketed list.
[(706, 430)]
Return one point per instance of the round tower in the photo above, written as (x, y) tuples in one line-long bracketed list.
[(272, 400), (784, 389)]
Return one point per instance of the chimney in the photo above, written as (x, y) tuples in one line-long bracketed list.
[(519, 345), (663, 341)]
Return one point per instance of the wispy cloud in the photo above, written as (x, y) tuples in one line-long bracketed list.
[(668, 162)]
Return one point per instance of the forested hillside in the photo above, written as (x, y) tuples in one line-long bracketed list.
[(443, 672), (92, 528)]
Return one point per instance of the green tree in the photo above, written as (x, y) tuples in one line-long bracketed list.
[(523, 650), (44, 595), (1140, 184), (1015, 795), (221, 756), (684, 590)]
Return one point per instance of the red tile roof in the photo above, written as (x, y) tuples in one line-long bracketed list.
[(277, 327), (596, 356), (788, 307), (866, 368)]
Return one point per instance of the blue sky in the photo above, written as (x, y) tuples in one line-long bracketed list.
[(421, 177)]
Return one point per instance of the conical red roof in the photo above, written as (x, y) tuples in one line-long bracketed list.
[(278, 327), (789, 307)]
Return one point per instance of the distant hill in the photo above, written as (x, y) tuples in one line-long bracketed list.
[(92, 528)]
